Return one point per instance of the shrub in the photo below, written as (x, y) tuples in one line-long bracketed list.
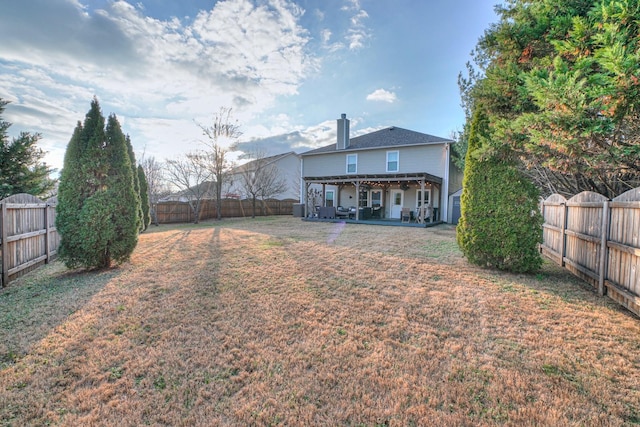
[(500, 225)]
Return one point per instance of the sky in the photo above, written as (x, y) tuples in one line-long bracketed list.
[(287, 69)]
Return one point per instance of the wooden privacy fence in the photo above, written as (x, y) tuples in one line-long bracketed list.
[(28, 236), (172, 212), (598, 240)]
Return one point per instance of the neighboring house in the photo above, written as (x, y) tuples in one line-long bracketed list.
[(282, 168), (205, 190), (387, 170)]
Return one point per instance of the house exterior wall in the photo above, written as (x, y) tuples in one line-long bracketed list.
[(430, 159), (455, 178), (289, 170)]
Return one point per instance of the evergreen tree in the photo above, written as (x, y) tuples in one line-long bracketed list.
[(70, 200), (500, 226), (144, 198), (560, 82), (97, 215), (136, 182), (82, 175), (21, 169), (124, 201)]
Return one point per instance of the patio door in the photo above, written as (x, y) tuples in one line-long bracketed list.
[(397, 197)]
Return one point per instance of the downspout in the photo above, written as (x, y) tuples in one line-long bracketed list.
[(444, 191)]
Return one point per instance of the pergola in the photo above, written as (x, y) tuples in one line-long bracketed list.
[(382, 181)]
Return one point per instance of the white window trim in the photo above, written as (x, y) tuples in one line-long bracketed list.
[(333, 197), (397, 161), (371, 196), (426, 191), (356, 163), (368, 199)]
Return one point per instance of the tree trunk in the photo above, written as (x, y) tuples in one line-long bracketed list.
[(219, 196), (196, 212), (253, 207)]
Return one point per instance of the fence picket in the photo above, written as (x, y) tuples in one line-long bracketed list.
[(600, 242), (28, 238), (3, 242), (176, 212)]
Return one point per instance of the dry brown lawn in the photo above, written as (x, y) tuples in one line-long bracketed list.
[(282, 322)]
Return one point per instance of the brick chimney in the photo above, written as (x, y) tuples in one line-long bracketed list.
[(343, 132)]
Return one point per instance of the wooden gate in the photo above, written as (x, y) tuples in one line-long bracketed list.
[(28, 237)]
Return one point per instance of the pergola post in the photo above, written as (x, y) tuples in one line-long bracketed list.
[(383, 214), (306, 198), (357, 183), (421, 208)]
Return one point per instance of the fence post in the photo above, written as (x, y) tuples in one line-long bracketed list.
[(46, 234), (3, 241), (563, 232), (544, 221), (603, 247)]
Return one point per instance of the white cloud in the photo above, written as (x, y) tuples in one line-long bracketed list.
[(358, 32), (326, 35), (382, 95), (240, 54)]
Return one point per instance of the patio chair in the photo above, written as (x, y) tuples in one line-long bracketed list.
[(423, 214), (406, 215), (342, 212), (428, 213), (420, 215), (352, 212)]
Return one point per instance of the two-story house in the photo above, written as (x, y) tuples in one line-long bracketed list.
[(278, 175), (386, 170)]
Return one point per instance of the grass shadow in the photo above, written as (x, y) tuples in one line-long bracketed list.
[(553, 282), (35, 304)]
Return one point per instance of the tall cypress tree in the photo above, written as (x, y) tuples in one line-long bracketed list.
[(70, 199), (136, 181), (144, 198), (500, 226), (81, 177), (97, 208), (123, 198)]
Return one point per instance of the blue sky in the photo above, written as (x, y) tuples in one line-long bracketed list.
[(288, 69)]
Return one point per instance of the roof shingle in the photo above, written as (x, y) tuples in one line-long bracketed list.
[(387, 137)]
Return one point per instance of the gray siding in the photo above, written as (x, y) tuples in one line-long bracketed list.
[(429, 159), (289, 169)]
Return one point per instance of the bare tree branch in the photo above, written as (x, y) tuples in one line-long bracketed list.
[(261, 179), (191, 175), (157, 185), (220, 134)]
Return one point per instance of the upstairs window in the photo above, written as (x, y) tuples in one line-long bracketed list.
[(352, 163), (393, 163)]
